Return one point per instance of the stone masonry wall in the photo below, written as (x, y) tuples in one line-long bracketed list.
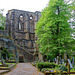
[(20, 25)]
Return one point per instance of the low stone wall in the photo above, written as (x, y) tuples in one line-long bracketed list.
[(9, 61), (5, 65), (4, 32), (10, 68), (5, 70)]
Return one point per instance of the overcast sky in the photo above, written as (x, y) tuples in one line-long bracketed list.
[(27, 5)]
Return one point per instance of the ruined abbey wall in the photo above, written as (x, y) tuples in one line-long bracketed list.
[(20, 25)]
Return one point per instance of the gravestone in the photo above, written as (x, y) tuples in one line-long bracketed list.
[(6, 58), (40, 57), (65, 56), (73, 61), (69, 65), (0, 55), (39, 61), (57, 60), (62, 61), (53, 61), (49, 61), (2, 61)]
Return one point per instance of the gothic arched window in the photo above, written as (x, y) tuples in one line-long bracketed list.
[(31, 21), (20, 24), (21, 17), (31, 17)]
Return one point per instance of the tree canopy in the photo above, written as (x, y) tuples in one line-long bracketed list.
[(2, 20), (53, 29)]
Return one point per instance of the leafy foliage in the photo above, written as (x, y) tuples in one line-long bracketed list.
[(46, 69), (50, 56), (46, 65), (63, 68), (73, 5), (54, 30), (1, 28), (2, 20), (4, 53)]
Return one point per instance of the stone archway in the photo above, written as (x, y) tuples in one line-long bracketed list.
[(21, 58)]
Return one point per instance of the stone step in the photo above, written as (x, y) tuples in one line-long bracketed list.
[(3, 71), (3, 65), (4, 68)]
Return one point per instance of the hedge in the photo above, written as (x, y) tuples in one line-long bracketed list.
[(46, 65)]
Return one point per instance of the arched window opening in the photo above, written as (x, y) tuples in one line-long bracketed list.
[(20, 22), (21, 18), (19, 26), (31, 17)]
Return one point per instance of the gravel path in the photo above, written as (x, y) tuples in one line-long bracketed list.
[(24, 69)]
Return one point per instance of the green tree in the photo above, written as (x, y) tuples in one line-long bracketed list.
[(5, 52), (73, 5), (2, 20), (54, 30)]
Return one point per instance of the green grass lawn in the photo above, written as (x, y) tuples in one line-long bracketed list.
[(0, 63), (10, 63)]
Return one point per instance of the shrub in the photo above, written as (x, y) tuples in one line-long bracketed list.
[(46, 69), (36, 61), (1, 28), (4, 52), (34, 64), (63, 68), (50, 57), (46, 65)]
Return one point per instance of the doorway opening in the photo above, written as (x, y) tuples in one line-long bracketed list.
[(21, 59)]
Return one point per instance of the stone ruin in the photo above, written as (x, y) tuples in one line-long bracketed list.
[(20, 26)]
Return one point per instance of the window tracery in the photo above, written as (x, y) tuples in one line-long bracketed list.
[(31, 18), (20, 25), (21, 17)]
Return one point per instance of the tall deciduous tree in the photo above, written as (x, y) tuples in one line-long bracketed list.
[(54, 30), (2, 20)]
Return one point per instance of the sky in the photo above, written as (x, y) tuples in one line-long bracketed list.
[(27, 5)]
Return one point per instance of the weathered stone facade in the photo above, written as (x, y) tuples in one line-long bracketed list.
[(20, 25), (7, 43)]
